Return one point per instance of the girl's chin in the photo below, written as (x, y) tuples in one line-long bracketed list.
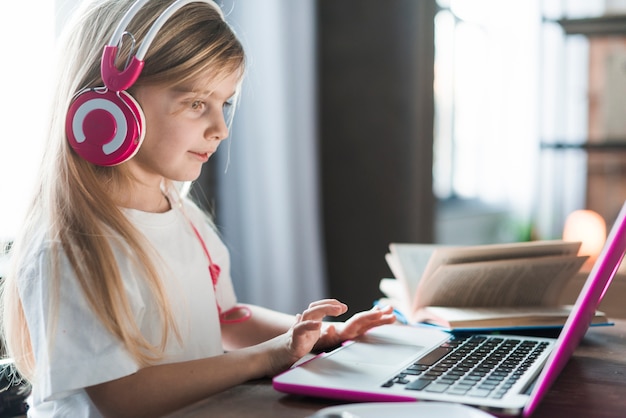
[(190, 176)]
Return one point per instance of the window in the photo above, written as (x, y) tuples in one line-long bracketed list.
[(28, 30), (506, 81)]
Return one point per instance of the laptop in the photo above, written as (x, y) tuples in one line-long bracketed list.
[(499, 373)]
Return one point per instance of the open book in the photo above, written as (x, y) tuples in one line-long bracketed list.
[(498, 286)]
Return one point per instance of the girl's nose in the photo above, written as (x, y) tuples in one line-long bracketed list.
[(218, 128)]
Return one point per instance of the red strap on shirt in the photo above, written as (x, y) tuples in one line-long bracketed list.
[(214, 271)]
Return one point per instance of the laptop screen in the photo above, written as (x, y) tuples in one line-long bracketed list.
[(588, 301)]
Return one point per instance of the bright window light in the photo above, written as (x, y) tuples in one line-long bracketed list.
[(27, 29)]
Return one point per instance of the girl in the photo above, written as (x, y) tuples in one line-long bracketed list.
[(120, 302)]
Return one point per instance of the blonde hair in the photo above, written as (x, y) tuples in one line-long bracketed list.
[(76, 201)]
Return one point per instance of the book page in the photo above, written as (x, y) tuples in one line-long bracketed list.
[(395, 294), (535, 281), (401, 283), (407, 262), (473, 315), (456, 255), (459, 318)]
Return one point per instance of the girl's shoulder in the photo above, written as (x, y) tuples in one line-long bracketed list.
[(33, 257), (192, 209)]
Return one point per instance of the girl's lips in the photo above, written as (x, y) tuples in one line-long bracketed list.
[(202, 156)]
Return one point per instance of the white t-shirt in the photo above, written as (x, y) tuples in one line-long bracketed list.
[(82, 352)]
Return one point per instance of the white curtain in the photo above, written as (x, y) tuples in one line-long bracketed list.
[(267, 203)]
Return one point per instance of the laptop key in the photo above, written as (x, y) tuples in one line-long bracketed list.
[(458, 391), (479, 393), (388, 384), (434, 356), (402, 380), (418, 367), (418, 384), (437, 387)]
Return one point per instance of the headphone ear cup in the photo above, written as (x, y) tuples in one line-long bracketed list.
[(105, 128)]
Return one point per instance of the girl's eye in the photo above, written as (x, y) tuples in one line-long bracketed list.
[(197, 105)]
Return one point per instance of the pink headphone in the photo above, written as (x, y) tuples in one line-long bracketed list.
[(105, 125)]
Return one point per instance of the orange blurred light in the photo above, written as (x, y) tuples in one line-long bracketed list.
[(589, 228)]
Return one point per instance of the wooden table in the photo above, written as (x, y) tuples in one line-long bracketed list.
[(592, 385)]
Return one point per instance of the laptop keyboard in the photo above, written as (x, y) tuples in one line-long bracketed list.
[(478, 366)]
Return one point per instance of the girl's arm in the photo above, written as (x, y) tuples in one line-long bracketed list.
[(265, 324), (271, 343), (159, 390)]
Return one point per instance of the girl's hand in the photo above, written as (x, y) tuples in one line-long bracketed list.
[(309, 332), (336, 333), (304, 334)]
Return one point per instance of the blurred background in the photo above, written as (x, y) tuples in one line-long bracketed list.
[(365, 122)]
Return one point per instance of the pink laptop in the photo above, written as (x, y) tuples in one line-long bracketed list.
[(502, 374)]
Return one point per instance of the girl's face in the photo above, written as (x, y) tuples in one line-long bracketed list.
[(184, 127)]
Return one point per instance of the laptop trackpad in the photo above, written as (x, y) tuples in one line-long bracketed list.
[(381, 354)]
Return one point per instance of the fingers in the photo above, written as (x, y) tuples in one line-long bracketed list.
[(363, 321), (306, 326), (324, 302), (387, 309), (381, 316), (375, 314), (304, 335), (328, 303), (327, 307), (387, 316)]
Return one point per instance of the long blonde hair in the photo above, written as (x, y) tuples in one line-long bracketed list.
[(78, 202)]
